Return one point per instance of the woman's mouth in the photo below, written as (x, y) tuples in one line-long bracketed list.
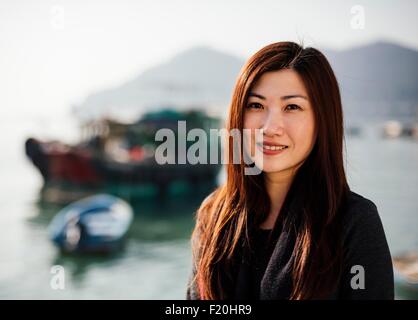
[(268, 149)]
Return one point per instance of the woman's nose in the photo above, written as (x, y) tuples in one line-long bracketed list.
[(273, 124)]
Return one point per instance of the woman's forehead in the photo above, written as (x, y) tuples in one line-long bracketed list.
[(279, 83)]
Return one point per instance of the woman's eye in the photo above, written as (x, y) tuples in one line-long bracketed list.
[(254, 105), (292, 107)]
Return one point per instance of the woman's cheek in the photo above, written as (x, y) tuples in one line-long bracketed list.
[(303, 136)]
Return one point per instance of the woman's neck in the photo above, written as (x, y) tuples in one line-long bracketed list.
[(277, 186)]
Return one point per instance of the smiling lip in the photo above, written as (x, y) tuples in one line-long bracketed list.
[(269, 148)]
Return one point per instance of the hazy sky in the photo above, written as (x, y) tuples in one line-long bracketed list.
[(55, 52)]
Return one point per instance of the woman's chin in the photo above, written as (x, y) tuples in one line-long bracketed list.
[(269, 167), (272, 170)]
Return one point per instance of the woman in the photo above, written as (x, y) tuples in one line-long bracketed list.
[(295, 231)]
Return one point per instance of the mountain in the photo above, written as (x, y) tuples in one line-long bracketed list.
[(199, 77), (379, 80)]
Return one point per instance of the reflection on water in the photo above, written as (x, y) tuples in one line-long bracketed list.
[(155, 254), (154, 218), (156, 258)]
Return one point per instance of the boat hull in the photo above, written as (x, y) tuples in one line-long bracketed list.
[(94, 224)]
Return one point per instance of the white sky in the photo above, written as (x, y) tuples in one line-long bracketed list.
[(55, 52)]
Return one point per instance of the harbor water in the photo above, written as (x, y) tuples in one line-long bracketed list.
[(156, 259)]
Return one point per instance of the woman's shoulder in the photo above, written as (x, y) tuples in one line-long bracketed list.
[(365, 246), (355, 200), (361, 218), (358, 207)]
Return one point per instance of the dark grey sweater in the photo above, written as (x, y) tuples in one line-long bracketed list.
[(366, 252)]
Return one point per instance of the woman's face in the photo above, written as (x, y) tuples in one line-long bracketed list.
[(278, 103)]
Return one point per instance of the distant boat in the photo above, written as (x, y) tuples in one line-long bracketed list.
[(97, 224), (414, 132), (392, 129), (114, 156), (396, 129), (406, 272)]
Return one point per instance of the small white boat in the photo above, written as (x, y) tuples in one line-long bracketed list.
[(94, 224)]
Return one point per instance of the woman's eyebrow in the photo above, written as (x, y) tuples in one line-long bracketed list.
[(291, 96), (253, 94), (294, 96)]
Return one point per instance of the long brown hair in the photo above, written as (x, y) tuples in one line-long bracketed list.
[(228, 214)]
